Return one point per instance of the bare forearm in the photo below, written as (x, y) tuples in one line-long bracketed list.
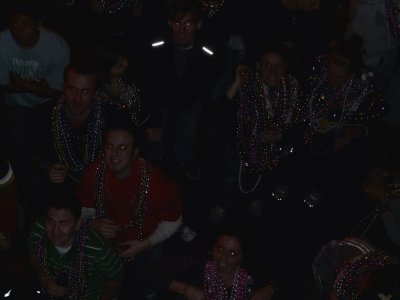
[(178, 287), (36, 88), (232, 91), (111, 290)]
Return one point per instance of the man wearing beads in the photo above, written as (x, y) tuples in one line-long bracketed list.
[(72, 126), (70, 259), (129, 201), (67, 134)]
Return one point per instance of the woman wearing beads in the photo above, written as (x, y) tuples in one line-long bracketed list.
[(339, 99), (118, 90), (221, 275), (267, 99)]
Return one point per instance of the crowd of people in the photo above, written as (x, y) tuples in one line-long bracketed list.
[(199, 149)]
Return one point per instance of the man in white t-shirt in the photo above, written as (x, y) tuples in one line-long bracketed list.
[(32, 63)]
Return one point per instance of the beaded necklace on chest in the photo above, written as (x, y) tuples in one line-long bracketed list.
[(114, 6), (139, 200), (76, 272), (123, 96), (211, 7), (258, 113), (214, 288), (65, 140), (321, 102), (329, 107)]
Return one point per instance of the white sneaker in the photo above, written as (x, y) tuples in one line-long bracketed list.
[(187, 234), (217, 213)]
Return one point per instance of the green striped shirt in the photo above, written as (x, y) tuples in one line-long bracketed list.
[(103, 263)]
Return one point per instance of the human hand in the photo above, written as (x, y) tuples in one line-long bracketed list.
[(53, 289), (271, 136), (131, 248), (341, 142), (58, 172), (120, 66), (264, 293), (96, 7), (193, 293), (15, 79), (25, 83), (345, 139), (241, 74), (106, 227), (374, 187), (154, 134)]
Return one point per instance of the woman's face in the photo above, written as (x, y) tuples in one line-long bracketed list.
[(336, 73), (227, 254), (272, 68), (120, 66)]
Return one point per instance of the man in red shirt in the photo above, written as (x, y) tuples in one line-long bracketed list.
[(128, 199)]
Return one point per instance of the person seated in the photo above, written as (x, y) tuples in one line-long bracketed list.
[(352, 268), (67, 133), (33, 58), (221, 275), (129, 201), (339, 99), (340, 106), (267, 108), (69, 258), (118, 90), (32, 61)]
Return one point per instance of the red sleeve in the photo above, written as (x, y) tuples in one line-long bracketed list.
[(86, 189), (166, 196)]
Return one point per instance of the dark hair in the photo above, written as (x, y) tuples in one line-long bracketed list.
[(348, 53), (276, 47), (179, 8), (62, 197), (121, 121), (32, 8), (84, 64), (235, 232), (107, 58)]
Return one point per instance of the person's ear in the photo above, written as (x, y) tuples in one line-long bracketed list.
[(78, 224)]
